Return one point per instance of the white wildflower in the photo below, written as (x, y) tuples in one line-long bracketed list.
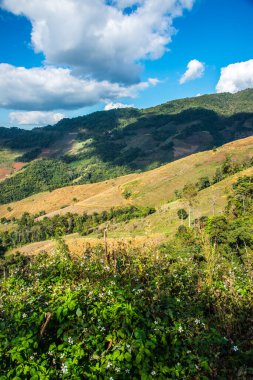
[(64, 368), (70, 340)]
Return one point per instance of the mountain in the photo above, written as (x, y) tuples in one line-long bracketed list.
[(109, 144)]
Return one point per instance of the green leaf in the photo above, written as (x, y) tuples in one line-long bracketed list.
[(128, 356), (79, 312)]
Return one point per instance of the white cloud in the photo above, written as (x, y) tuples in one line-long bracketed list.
[(50, 88), (236, 77), (195, 69), (113, 106), (35, 118), (98, 38)]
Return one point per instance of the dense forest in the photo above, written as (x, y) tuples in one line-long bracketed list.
[(181, 311)]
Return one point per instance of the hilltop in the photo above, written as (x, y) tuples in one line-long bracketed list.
[(109, 144)]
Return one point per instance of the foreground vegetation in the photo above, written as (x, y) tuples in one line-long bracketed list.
[(183, 311)]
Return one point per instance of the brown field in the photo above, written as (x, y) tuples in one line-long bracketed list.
[(78, 245), (152, 188), (7, 170), (4, 172), (18, 166)]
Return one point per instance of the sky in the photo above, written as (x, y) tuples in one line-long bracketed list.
[(65, 58)]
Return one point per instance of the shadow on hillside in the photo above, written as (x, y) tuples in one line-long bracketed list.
[(156, 138), (137, 139)]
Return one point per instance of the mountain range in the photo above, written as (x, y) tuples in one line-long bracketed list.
[(109, 144)]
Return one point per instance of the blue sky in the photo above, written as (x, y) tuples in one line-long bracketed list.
[(216, 33)]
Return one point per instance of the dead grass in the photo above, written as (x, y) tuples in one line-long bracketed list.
[(78, 245)]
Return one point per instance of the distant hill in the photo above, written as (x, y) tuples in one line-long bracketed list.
[(109, 144)]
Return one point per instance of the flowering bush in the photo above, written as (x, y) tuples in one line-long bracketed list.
[(155, 315)]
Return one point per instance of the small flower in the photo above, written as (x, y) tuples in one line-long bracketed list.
[(70, 340), (156, 322), (153, 373), (117, 369), (109, 365), (180, 329), (24, 315), (127, 370), (235, 348), (197, 321), (50, 353), (64, 368), (31, 357)]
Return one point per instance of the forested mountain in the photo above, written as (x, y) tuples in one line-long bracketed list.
[(108, 144)]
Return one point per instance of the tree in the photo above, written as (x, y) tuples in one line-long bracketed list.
[(217, 227), (189, 193), (203, 183), (182, 214), (213, 201)]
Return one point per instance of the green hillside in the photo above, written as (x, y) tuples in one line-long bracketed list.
[(112, 143)]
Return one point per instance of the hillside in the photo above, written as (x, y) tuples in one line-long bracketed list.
[(151, 188), (155, 286), (156, 188), (110, 144), (133, 291)]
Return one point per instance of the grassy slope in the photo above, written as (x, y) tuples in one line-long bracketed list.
[(153, 188), (147, 232)]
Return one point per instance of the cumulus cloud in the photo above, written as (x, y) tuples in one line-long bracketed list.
[(195, 70), (113, 106), (236, 77), (50, 88), (35, 118), (99, 38)]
